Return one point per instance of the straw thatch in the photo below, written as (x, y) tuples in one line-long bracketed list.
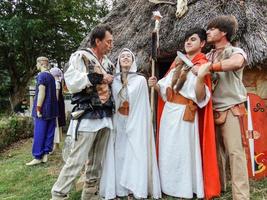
[(132, 24)]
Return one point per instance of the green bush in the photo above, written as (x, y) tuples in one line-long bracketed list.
[(13, 129)]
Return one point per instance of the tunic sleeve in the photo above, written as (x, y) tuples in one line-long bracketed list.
[(237, 50), (164, 83), (76, 75), (41, 79)]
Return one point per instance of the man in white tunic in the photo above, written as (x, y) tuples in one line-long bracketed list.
[(180, 162), (129, 165), (89, 79)]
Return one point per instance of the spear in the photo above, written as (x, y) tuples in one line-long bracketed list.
[(155, 44)]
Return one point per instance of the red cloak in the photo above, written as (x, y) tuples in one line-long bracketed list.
[(212, 186)]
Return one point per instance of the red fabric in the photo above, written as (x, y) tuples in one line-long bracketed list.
[(258, 110), (210, 169)]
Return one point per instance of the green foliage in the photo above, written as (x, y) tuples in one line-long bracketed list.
[(14, 128), (31, 28)]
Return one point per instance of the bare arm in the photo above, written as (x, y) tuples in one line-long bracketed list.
[(200, 83), (235, 62)]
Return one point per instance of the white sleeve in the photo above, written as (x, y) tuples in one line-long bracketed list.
[(205, 101), (76, 76), (57, 85), (164, 83), (188, 90)]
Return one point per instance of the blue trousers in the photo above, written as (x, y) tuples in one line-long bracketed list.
[(43, 137)]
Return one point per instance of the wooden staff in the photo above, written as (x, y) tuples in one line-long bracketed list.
[(155, 44)]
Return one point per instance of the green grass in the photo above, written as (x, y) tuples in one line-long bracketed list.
[(21, 182)]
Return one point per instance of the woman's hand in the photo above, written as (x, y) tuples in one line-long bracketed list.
[(152, 81)]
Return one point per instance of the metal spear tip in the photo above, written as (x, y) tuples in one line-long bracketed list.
[(157, 15)]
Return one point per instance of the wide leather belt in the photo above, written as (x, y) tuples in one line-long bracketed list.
[(191, 108)]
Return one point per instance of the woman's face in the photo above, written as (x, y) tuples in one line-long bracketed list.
[(126, 61)]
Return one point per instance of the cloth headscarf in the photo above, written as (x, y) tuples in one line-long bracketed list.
[(133, 68), (123, 92), (55, 71)]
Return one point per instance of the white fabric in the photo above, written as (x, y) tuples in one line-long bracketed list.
[(92, 125), (57, 85), (128, 151), (180, 163), (77, 80), (58, 131), (76, 75)]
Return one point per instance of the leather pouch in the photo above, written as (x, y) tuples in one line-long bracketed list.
[(220, 117), (190, 112)]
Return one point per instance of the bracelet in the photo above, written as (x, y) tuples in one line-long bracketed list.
[(38, 108), (217, 67)]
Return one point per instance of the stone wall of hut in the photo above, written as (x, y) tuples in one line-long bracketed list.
[(255, 81)]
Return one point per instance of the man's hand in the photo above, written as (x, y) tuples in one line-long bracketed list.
[(107, 79), (194, 69), (38, 111), (178, 61), (152, 81), (39, 114), (204, 70)]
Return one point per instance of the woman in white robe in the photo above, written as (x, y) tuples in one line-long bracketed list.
[(129, 167)]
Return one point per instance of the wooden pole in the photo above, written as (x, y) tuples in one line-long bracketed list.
[(155, 45)]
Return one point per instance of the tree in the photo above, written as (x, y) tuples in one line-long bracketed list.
[(31, 28)]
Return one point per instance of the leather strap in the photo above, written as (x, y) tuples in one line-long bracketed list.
[(191, 108)]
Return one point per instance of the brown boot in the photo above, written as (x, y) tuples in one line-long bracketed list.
[(90, 191)]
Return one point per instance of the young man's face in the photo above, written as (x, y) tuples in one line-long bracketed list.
[(41, 63), (106, 44), (193, 44), (214, 35)]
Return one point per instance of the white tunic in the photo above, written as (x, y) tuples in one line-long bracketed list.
[(58, 130), (77, 80), (128, 153), (180, 163)]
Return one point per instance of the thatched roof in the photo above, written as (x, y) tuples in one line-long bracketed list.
[(132, 24)]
